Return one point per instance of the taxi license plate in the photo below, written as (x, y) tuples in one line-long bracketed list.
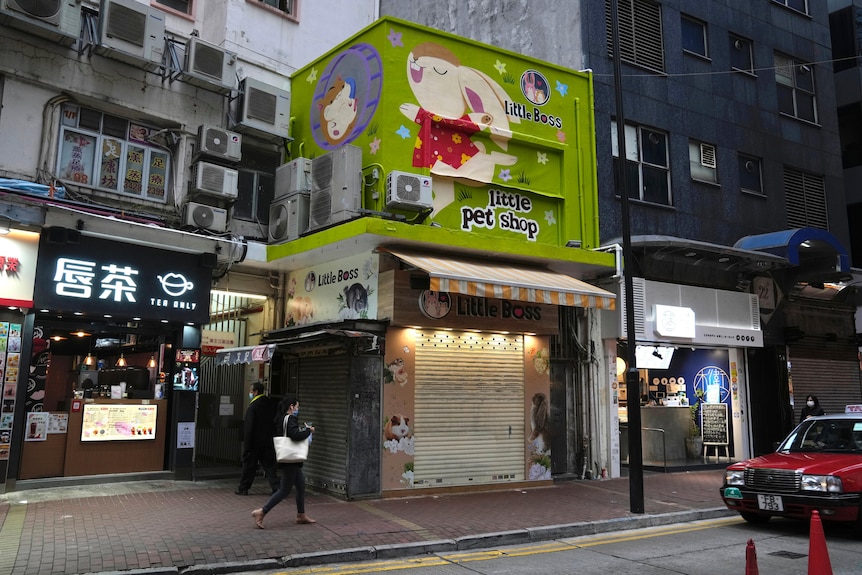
[(770, 502)]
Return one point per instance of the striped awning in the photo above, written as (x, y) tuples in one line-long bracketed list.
[(507, 281)]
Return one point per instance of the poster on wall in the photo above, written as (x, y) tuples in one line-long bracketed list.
[(36, 428), (118, 422), (341, 290)]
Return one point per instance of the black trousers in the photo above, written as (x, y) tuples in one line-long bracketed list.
[(266, 457), (291, 475)]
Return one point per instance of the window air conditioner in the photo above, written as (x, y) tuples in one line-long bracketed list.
[(209, 66), (132, 32), (336, 187), (217, 143), (406, 191), (293, 177), (205, 217), (262, 108), (56, 20), (213, 180)]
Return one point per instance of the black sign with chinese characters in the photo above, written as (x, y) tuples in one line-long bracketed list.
[(98, 277)]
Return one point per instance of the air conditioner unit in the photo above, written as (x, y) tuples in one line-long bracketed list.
[(56, 20), (213, 180), (293, 177), (209, 66), (262, 108), (217, 143), (406, 191), (288, 217), (206, 217), (336, 187), (132, 32)]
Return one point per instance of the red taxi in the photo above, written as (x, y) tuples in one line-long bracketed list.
[(818, 466)]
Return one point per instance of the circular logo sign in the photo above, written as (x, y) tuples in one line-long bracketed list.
[(435, 304)]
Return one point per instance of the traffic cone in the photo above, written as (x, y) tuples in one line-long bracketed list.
[(818, 555), (751, 559)]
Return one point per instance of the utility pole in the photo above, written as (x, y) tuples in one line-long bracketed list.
[(633, 393)]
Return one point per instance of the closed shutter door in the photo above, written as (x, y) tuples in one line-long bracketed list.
[(828, 370), (323, 401), (469, 418)]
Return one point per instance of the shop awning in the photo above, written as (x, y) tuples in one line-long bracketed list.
[(249, 354), (506, 281)]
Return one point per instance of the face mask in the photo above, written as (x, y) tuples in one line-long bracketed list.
[(295, 412), (251, 396), (810, 404)]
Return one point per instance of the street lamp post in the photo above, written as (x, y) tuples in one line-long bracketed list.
[(633, 393)]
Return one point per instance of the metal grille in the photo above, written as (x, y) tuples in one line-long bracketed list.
[(640, 33), (806, 199), (324, 401), (471, 381), (778, 480)]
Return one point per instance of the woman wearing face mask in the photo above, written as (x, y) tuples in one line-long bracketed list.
[(291, 473), (812, 408)]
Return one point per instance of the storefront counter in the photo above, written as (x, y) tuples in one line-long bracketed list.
[(675, 423), (116, 436)]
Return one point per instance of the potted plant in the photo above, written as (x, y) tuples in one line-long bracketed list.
[(694, 441)]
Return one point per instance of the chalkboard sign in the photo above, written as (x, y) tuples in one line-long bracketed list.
[(713, 423)]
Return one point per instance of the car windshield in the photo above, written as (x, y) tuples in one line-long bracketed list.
[(826, 435)]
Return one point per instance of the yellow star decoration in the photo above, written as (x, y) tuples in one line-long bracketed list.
[(312, 76), (501, 68)]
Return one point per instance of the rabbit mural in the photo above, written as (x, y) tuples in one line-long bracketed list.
[(454, 103)]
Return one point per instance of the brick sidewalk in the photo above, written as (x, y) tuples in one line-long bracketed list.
[(174, 524)]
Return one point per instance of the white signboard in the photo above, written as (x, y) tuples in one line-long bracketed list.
[(340, 290)]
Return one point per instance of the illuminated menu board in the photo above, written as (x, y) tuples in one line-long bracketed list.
[(111, 422)]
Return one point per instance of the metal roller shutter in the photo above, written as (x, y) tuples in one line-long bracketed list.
[(323, 399), (469, 413), (828, 370)]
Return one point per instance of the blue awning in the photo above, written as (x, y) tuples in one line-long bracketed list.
[(59, 192), (802, 246)]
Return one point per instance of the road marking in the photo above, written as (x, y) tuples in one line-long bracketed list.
[(10, 537), (568, 544)]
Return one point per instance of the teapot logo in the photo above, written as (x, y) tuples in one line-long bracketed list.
[(175, 284)]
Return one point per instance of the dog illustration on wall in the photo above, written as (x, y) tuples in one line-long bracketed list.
[(540, 423)]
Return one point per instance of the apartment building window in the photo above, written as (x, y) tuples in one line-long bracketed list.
[(640, 33), (741, 54), (805, 198), (798, 5), (647, 166), (750, 177), (702, 161), (845, 29), (256, 186), (694, 36), (286, 6), (795, 88), (112, 154), (183, 6)]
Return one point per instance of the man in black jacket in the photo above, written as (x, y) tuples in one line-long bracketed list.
[(258, 431)]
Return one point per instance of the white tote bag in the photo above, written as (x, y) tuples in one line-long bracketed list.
[(288, 450)]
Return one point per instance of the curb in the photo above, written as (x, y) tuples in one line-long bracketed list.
[(479, 541)]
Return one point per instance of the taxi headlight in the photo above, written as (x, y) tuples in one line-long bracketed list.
[(822, 483), (734, 477)]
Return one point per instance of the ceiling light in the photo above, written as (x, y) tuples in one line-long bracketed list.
[(89, 360), (57, 338), (122, 361), (152, 362), (81, 333)]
